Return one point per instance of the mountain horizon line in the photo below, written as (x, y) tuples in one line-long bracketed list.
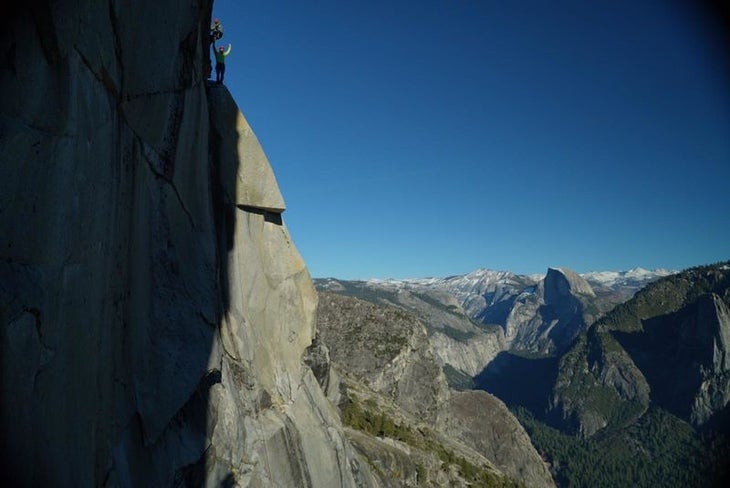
[(637, 270)]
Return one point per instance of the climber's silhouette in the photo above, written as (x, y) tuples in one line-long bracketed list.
[(216, 30), (214, 34), (220, 62)]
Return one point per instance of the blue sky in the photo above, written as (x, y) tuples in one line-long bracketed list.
[(435, 137)]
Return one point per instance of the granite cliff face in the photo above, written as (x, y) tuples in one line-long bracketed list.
[(154, 312), (546, 322), (712, 336)]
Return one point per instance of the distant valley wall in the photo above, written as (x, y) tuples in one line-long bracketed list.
[(667, 347), (473, 318)]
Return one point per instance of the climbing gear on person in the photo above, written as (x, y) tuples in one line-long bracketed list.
[(216, 30)]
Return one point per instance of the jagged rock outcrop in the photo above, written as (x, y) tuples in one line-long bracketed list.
[(389, 351), (458, 341), (154, 312), (386, 348), (712, 337)]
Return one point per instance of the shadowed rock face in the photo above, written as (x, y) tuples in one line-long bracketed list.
[(153, 309), (684, 356)]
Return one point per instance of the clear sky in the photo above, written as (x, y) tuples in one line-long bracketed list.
[(434, 137)]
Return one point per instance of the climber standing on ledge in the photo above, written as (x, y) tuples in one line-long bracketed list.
[(220, 62)]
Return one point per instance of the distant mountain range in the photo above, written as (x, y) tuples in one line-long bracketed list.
[(633, 278), (537, 314), (618, 377)]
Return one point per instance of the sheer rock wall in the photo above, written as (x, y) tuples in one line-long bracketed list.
[(153, 309)]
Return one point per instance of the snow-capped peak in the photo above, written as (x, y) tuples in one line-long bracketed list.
[(633, 275)]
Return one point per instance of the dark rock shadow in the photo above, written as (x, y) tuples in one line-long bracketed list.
[(520, 381), (496, 313), (670, 352), (111, 294)]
